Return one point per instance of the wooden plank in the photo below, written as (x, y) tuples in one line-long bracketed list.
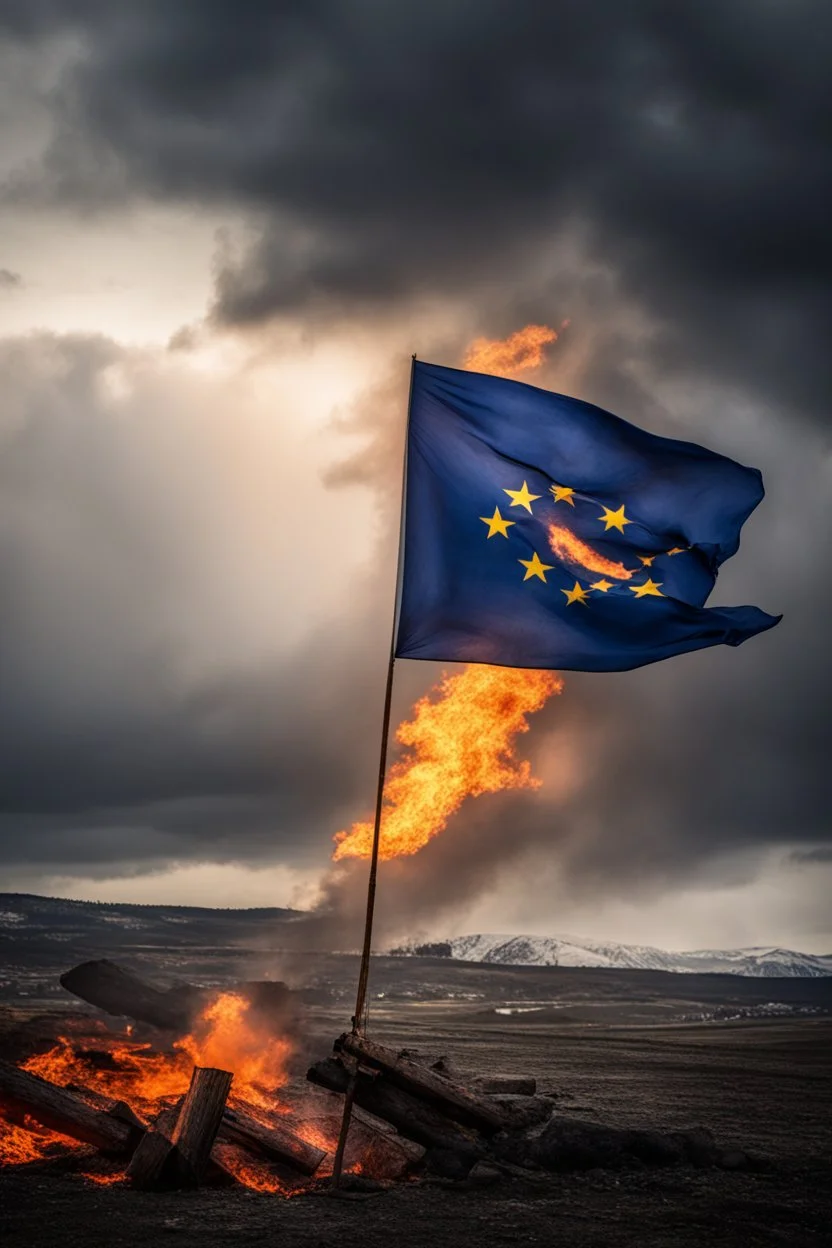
[(411, 1117), (146, 1170), (198, 1122), (455, 1101), (275, 1142)]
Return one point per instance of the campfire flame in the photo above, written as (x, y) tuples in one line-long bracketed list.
[(567, 546), (461, 744), (224, 1036)]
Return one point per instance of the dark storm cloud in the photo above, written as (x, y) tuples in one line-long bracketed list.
[(813, 857), (387, 153), (659, 173)]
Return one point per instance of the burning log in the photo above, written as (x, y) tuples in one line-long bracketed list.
[(277, 1143), (198, 1121), (455, 1101), (412, 1117), (63, 1111)]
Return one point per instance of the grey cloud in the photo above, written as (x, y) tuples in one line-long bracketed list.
[(384, 155), (134, 725), (813, 857)]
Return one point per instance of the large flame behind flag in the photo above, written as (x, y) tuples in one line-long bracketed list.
[(461, 737), (460, 744)]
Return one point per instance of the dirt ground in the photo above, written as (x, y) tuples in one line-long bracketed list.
[(762, 1086)]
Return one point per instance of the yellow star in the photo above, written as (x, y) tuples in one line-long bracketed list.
[(563, 494), (534, 567), (602, 585), (649, 588), (614, 519), (578, 594), (647, 560), (496, 523), (522, 498), (677, 550)]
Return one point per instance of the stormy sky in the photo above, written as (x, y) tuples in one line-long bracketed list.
[(223, 231)]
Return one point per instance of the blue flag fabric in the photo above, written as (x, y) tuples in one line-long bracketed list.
[(544, 532)]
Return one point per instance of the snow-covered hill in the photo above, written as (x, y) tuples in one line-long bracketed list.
[(575, 951)]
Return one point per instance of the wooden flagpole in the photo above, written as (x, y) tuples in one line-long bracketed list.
[(359, 1018)]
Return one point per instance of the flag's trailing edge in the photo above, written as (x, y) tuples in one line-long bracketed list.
[(541, 531)]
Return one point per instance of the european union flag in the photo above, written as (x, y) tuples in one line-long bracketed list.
[(541, 531)]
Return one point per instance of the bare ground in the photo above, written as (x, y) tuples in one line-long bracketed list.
[(763, 1086)]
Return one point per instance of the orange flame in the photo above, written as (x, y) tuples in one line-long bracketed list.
[(567, 546), (519, 352), (223, 1036), (461, 745)]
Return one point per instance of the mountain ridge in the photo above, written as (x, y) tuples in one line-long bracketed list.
[(566, 950)]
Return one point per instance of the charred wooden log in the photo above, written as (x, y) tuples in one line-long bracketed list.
[(412, 1117), (198, 1121), (116, 1108), (275, 1142), (455, 1101), (109, 987), (147, 1166), (372, 1143), (64, 1111)]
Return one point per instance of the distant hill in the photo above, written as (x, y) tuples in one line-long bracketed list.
[(33, 925), (759, 961), (26, 918)]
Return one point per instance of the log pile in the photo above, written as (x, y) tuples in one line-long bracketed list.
[(460, 1126)]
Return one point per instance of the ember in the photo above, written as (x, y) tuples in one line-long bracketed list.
[(29, 1142)]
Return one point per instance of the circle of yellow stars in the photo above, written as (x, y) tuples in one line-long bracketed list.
[(499, 525)]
